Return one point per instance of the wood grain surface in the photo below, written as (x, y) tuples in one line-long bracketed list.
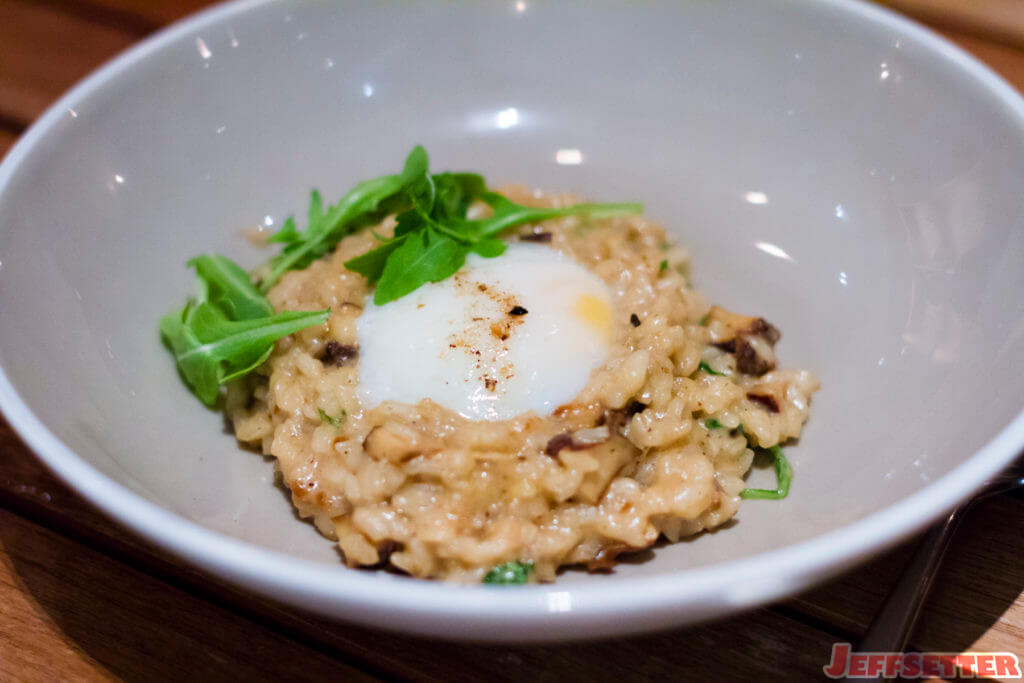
[(29, 83), (991, 20), (75, 613), (82, 599), (7, 138), (782, 638)]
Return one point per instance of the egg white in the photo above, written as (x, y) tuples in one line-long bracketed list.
[(466, 343)]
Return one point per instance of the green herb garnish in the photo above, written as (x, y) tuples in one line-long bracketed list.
[(336, 422), (227, 329), (684, 270), (703, 322), (707, 368), (433, 236), (663, 266), (712, 423), (783, 474), (366, 203), (509, 574)]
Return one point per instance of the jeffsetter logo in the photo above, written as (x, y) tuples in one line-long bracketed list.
[(845, 662)]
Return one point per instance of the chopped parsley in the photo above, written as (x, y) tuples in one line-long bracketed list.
[(783, 475), (509, 574), (708, 369), (703, 322), (663, 266), (712, 423), (336, 422)]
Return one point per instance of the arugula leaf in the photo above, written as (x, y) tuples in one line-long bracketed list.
[(288, 232), (368, 202), (432, 234), (455, 192), (507, 214), (783, 474), (427, 256), (509, 574), (409, 222), (228, 329), (371, 264), (229, 287), (489, 248), (423, 192), (429, 247), (210, 349)]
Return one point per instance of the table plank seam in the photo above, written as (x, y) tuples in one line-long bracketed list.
[(792, 611), (11, 125), (123, 20)]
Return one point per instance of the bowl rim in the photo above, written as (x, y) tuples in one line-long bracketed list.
[(567, 611)]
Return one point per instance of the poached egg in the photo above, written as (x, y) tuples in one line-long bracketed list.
[(522, 331)]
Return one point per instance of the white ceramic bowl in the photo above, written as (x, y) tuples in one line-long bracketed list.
[(833, 167)]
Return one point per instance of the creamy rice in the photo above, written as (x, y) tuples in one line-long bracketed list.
[(632, 458)]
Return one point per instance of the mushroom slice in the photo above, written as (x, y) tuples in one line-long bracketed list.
[(751, 340)]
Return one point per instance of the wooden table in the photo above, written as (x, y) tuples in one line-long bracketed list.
[(80, 598)]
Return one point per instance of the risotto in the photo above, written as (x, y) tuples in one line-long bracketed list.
[(656, 444)]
